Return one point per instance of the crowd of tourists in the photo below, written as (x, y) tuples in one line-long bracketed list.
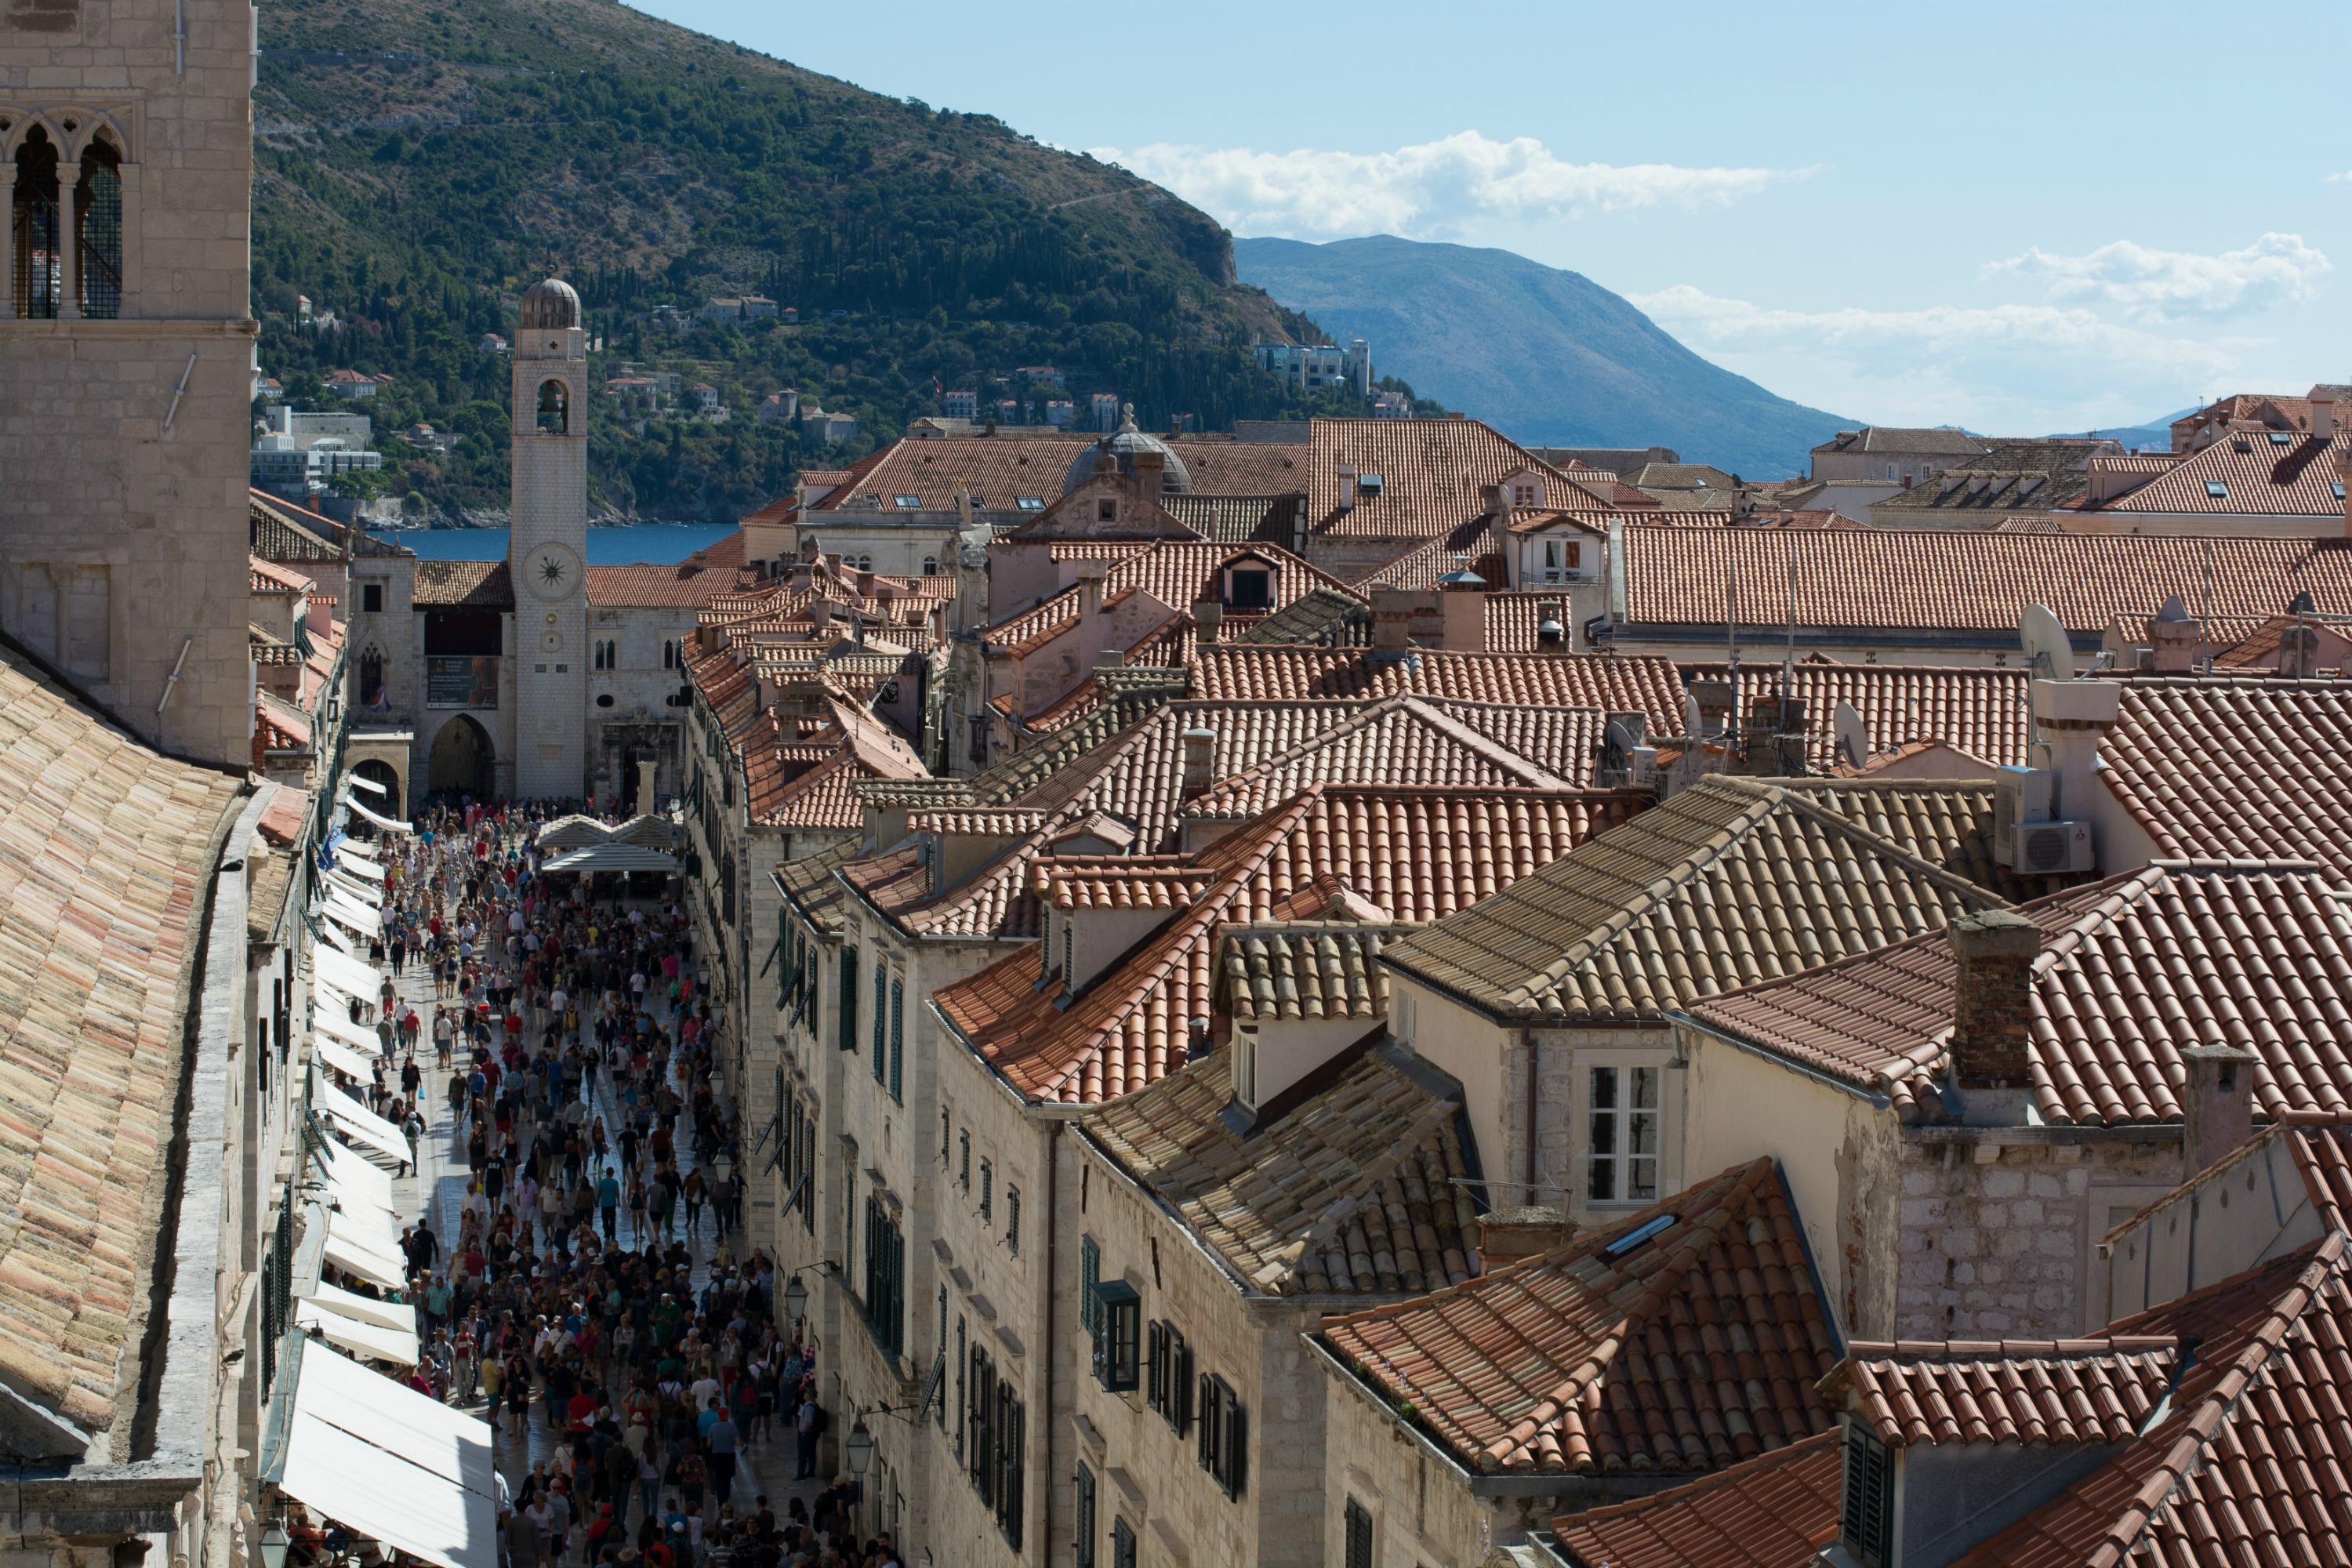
[(565, 1061)]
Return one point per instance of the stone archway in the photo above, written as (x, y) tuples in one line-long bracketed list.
[(462, 758), (375, 770)]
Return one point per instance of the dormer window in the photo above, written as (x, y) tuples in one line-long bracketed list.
[(1526, 494), (1250, 588)]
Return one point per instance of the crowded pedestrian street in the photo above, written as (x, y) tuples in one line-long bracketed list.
[(571, 1212)]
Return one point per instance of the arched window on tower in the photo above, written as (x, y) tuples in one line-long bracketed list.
[(554, 409), (372, 694), (97, 229), (33, 227)]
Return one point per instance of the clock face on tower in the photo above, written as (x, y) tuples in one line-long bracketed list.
[(551, 571)]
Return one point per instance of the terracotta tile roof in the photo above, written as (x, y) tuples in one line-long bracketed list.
[(813, 890), (282, 531), (1980, 712), (1948, 824), (1304, 968), (1932, 441), (1432, 471), (1421, 742), (1351, 1192), (2038, 1392), (1323, 618), (1730, 882), (1003, 467), (1009, 823), (1775, 1511), (1121, 881), (1618, 683), (2296, 478), (1416, 567), (1410, 855), (2236, 769), (1178, 572), (2132, 971), (105, 850), (1693, 1349), (270, 578), (463, 585), (690, 584), (2011, 477), (1233, 519), (1877, 579), (2246, 1465)]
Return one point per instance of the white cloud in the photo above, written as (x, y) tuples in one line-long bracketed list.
[(2162, 285), (1430, 188), (2016, 368)]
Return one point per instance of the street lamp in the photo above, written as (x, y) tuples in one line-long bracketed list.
[(796, 1303), (274, 1544), (860, 1448)]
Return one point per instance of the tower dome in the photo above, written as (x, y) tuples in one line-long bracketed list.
[(1121, 446), (550, 305)]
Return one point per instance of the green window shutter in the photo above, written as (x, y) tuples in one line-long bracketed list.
[(898, 1040), (848, 998)]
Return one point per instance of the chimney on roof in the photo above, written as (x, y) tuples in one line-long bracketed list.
[(1090, 575), (1208, 617), (1150, 473), (1506, 1234), (1346, 486), (1498, 501), (2072, 717), (2217, 1105), (2323, 412), (1992, 994), (1200, 762), (1392, 619), (821, 614), (1462, 602)]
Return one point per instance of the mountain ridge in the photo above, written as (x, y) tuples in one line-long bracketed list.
[(1544, 356)]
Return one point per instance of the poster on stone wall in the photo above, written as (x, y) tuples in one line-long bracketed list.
[(461, 680)]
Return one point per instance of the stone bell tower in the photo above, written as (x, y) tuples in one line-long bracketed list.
[(547, 552)]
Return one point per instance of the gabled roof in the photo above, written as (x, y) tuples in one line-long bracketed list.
[(1422, 743), (1324, 617), (1876, 580), (2244, 1465), (1178, 572), (1618, 683), (464, 585), (1980, 712), (2258, 477), (1939, 441), (1410, 855), (2014, 476), (2098, 1389), (1303, 970), (1002, 468), (1730, 882), (690, 584), (105, 850), (1775, 1511), (1694, 1348), (815, 893), (1431, 470), (2132, 971), (1356, 1191), (282, 531), (2236, 768)]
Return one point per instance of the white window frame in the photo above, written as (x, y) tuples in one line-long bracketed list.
[(1669, 1112), (1245, 1069)]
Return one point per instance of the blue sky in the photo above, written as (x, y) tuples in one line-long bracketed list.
[(2018, 218)]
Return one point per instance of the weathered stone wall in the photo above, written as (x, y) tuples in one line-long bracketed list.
[(1424, 1513)]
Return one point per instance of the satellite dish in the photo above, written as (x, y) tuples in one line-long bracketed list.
[(2047, 647), (1852, 736)]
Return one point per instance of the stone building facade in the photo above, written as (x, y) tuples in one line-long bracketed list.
[(126, 354)]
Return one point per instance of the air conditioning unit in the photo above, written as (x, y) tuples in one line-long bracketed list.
[(2020, 795), (2051, 848)]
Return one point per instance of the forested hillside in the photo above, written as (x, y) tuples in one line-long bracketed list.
[(418, 165)]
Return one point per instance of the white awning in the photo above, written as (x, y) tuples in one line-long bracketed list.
[(366, 1309), (351, 861), (358, 1036), (357, 1122), (391, 1463), (386, 823), (369, 1340), (353, 847), (347, 1253), (615, 858), (360, 978), (341, 943), (357, 916), (367, 895), (355, 1182), (361, 781), (342, 1059)]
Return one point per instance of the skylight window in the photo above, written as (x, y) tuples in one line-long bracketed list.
[(1030, 503), (2338, 488), (907, 503), (2217, 489), (1635, 1237), (2281, 438)]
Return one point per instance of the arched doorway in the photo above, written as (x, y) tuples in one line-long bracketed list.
[(377, 770), (461, 759)]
